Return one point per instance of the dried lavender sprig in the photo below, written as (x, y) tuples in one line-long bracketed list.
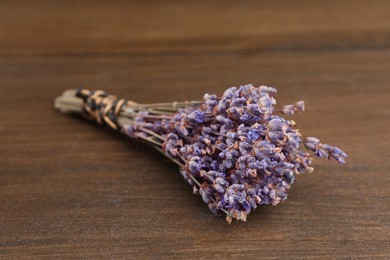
[(235, 151), (324, 150)]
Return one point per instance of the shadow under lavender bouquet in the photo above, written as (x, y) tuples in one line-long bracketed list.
[(236, 151)]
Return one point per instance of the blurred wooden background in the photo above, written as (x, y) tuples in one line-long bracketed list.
[(69, 189)]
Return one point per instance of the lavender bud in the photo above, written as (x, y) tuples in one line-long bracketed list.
[(288, 110), (276, 125), (197, 116), (265, 89), (300, 106)]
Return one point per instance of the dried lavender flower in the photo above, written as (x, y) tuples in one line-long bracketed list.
[(235, 150)]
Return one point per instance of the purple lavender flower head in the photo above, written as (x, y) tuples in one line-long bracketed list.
[(235, 150)]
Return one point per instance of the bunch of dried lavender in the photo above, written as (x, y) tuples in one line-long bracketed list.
[(234, 150)]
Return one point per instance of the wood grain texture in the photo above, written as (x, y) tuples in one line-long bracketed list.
[(69, 189)]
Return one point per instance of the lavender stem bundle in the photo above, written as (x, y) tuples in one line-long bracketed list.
[(236, 151)]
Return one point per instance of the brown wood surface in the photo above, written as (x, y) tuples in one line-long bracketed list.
[(69, 189)]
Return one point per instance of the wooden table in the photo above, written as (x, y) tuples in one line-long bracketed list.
[(69, 189)]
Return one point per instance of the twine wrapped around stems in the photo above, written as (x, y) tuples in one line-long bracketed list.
[(234, 150)]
